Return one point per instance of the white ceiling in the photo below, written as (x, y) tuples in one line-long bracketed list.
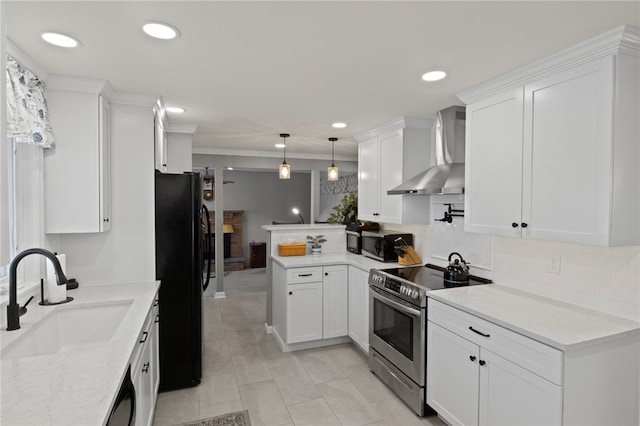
[(247, 71)]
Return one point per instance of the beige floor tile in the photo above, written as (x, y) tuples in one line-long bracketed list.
[(395, 412), (215, 353), (176, 407), (235, 323), (264, 403), (272, 353), (345, 354), (368, 383), (347, 403), (229, 306), (220, 409), (218, 385), (320, 366), (241, 341), (294, 383), (250, 367), (313, 413)]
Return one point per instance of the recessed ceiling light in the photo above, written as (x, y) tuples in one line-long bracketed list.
[(229, 168), (434, 75), (339, 125), (160, 30), (61, 40), (177, 110), (280, 145)]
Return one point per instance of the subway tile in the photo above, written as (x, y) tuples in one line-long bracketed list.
[(612, 264), (625, 310)]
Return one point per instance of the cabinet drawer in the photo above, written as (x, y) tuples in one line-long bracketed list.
[(304, 275), (143, 337), (534, 356)]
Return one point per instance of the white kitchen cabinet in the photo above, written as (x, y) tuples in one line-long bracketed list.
[(146, 369), (387, 156), (77, 172), (304, 312), (469, 385), (480, 372), (160, 137), (335, 300), (359, 307), (310, 303), (554, 156)]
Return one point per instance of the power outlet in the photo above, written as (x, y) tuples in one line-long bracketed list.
[(554, 264)]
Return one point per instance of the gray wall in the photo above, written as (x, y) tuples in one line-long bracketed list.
[(265, 198)]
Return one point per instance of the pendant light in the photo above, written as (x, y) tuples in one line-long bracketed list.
[(284, 171), (332, 172)]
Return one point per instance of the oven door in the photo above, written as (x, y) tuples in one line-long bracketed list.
[(397, 332)]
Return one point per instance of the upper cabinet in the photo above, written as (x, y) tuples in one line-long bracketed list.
[(160, 138), (388, 156), (552, 149), (77, 172)]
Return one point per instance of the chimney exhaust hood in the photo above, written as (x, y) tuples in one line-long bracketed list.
[(447, 176)]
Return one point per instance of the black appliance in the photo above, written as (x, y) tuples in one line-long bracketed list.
[(380, 245), (398, 325), (124, 408), (354, 234), (181, 225)]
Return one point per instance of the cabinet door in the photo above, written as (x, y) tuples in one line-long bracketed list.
[(567, 155), (359, 307), (452, 376), (304, 312), (390, 153), (511, 395), (104, 141), (160, 144), (335, 296), (493, 170), (368, 180)]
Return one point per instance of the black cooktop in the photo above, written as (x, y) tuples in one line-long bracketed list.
[(429, 276)]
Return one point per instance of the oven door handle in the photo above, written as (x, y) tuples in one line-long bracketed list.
[(386, 298)]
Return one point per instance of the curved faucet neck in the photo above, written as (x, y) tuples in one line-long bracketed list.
[(13, 269)]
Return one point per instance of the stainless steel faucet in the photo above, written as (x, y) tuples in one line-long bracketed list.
[(13, 309)]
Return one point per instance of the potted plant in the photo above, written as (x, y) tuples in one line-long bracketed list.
[(316, 243), (347, 211)]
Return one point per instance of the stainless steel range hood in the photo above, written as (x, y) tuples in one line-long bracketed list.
[(447, 176)]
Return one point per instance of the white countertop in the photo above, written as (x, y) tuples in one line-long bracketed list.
[(302, 226), (338, 258), (76, 387), (560, 325)]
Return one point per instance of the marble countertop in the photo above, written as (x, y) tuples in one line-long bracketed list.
[(76, 387), (338, 258), (561, 325), (302, 227)]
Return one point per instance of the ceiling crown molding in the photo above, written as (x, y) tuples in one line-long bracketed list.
[(623, 39), (396, 124), (182, 128), (80, 84)]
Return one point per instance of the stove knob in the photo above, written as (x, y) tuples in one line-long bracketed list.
[(416, 295)]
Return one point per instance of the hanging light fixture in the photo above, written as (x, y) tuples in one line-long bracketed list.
[(284, 171), (332, 172)]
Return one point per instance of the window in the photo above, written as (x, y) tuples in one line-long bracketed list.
[(9, 209)]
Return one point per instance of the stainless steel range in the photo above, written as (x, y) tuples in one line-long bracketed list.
[(397, 327)]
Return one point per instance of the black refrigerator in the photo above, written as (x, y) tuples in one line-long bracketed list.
[(181, 221)]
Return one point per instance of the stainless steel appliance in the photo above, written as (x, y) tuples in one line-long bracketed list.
[(398, 325), (354, 234), (380, 245)]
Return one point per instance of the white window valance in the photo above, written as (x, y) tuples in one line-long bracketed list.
[(27, 113)]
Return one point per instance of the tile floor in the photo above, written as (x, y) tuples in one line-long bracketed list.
[(245, 369)]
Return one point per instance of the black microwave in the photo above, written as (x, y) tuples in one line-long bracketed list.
[(381, 245), (354, 242)]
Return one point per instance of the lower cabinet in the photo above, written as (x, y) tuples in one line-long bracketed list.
[(482, 373), (359, 307), (310, 303), (145, 369), (469, 385)]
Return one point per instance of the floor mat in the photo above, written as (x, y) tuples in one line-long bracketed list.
[(239, 418)]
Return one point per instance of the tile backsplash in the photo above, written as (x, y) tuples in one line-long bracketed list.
[(606, 279)]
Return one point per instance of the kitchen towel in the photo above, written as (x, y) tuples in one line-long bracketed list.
[(56, 293)]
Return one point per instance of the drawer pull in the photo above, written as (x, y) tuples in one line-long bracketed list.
[(145, 368), (144, 337), (157, 318), (472, 358), (478, 332), (156, 302), (305, 275), (482, 362)]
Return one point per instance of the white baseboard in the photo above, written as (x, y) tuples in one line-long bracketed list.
[(220, 295), (268, 328)]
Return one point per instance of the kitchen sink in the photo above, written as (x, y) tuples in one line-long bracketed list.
[(68, 328)]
